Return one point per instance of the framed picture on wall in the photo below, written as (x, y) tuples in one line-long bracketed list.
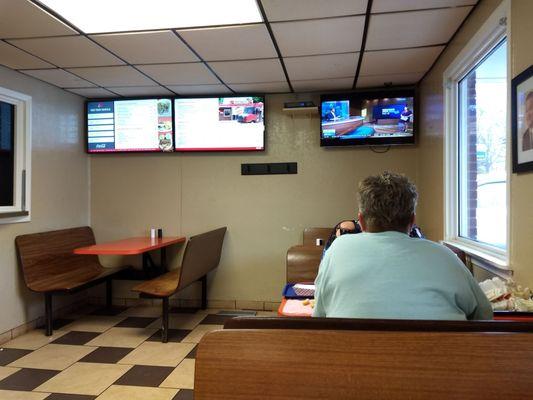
[(522, 121)]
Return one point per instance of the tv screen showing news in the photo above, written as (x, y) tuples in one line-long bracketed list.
[(142, 125), (220, 123), (370, 118)]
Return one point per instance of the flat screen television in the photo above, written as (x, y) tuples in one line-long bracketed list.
[(235, 123), (130, 125), (369, 118)]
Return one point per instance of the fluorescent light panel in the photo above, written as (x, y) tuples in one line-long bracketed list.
[(97, 16)]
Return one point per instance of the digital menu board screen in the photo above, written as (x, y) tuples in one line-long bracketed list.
[(220, 123), (130, 126)]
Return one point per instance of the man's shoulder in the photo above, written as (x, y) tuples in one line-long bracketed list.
[(435, 247)]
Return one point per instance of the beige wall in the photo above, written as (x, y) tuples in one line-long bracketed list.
[(522, 185), (431, 157), (430, 160), (191, 193), (59, 188)]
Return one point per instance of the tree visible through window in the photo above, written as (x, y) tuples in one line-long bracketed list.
[(482, 150)]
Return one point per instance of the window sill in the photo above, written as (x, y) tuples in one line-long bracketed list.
[(492, 263), (14, 217), (14, 214)]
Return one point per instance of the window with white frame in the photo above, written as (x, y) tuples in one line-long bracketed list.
[(15, 156), (477, 177)]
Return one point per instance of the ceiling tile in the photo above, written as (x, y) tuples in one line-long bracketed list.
[(59, 78), (114, 76), (399, 61), (93, 93), (322, 67), (323, 84), (147, 47), (21, 18), (180, 74), (231, 43), (249, 71), (399, 30), (389, 79), (71, 51), (190, 90), (268, 87), (283, 10), (325, 36), (14, 58), (141, 91), (404, 5)]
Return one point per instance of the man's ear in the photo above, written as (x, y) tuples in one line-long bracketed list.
[(361, 220)]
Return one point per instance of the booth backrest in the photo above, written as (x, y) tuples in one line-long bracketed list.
[(202, 255), (47, 258), (302, 263), (351, 364)]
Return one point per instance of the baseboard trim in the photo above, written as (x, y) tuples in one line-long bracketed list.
[(39, 321)]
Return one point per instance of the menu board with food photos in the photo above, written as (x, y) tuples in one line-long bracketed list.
[(234, 123), (130, 126)]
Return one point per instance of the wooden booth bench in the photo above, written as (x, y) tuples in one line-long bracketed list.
[(303, 260), (365, 359), (202, 255), (49, 265)]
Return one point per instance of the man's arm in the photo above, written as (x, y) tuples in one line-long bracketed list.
[(483, 308), (470, 297)]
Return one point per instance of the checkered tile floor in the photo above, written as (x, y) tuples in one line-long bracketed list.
[(108, 355)]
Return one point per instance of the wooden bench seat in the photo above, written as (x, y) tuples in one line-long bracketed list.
[(49, 265), (163, 286), (202, 255), (382, 363), (303, 260)]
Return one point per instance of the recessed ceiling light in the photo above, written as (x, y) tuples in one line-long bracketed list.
[(98, 16)]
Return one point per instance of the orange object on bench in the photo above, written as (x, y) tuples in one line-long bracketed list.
[(294, 308)]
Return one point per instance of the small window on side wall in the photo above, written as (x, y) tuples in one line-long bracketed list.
[(476, 144), (15, 156)]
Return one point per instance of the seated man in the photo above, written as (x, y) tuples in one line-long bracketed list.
[(342, 228), (384, 273)]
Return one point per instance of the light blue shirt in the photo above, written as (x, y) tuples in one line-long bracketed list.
[(392, 276)]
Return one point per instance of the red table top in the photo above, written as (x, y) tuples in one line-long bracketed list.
[(137, 245)]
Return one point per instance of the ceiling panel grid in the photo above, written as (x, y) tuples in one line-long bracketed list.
[(269, 47)]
